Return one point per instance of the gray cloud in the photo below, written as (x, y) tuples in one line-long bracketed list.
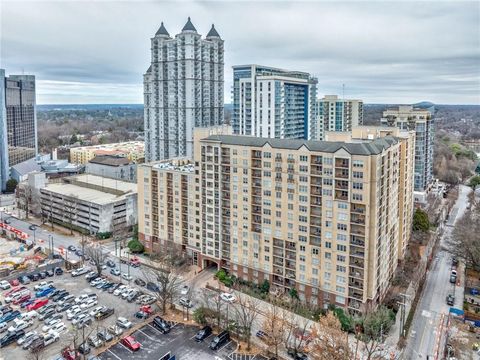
[(97, 51)]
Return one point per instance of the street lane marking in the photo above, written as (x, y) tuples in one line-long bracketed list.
[(225, 345), (426, 313), (130, 351), (119, 358), (140, 331)]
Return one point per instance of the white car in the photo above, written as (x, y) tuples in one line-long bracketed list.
[(127, 293), (115, 272), (123, 323), (96, 310), (80, 271), (43, 285), (57, 328), (16, 295), (96, 281), (184, 290), (80, 318), (127, 277), (3, 326), (89, 303), (81, 299), (66, 299), (228, 297), (5, 285), (47, 327), (74, 311), (30, 315), (19, 325), (26, 337), (119, 290), (50, 338)]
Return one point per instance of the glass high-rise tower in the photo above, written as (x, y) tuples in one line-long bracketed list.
[(183, 89)]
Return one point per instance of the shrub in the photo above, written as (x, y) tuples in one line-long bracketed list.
[(265, 287), (11, 185), (199, 316), (420, 221)]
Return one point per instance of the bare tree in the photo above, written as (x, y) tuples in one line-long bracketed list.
[(212, 301), (274, 326), (168, 285), (329, 341), (25, 199), (97, 256), (465, 240), (70, 209), (36, 353), (246, 311), (296, 333)]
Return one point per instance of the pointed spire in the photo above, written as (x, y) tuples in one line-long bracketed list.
[(213, 32), (162, 31), (189, 26)]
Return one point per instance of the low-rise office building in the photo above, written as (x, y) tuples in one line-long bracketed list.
[(132, 150), (112, 166), (321, 217), (90, 203)]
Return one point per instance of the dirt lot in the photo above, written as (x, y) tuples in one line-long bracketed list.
[(76, 286)]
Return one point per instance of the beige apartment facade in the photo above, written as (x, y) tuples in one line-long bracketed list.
[(321, 217), (132, 150)]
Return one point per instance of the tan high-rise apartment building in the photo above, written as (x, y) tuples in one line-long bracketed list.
[(132, 150), (321, 217)]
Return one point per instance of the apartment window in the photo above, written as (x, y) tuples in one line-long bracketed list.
[(303, 178), (342, 205), (340, 299), (328, 223), (302, 228), (301, 258), (328, 204), (341, 247), (301, 198), (358, 186), (327, 160), (357, 175), (342, 227), (340, 279), (327, 181), (328, 255), (329, 214), (342, 269), (302, 209), (267, 155), (302, 268), (328, 234), (358, 163), (341, 237), (327, 192), (303, 168), (302, 218), (315, 251), (303, 188), (357, 197), (328, 244), (302, 238), (327, 276), (341, 258), (340, 289), (342, 216), (303, 158)]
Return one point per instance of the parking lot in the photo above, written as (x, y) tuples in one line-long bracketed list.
[(75, 286), (179, 341)]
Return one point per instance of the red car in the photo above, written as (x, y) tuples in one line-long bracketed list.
[(21, 299), (147, 309), (14, 290), (131, 343), (37, 304), (69, 354), (14, 282)]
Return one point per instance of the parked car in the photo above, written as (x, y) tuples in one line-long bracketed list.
[(453, 278), (50, 338), (127, 277), (11, 337), (25, 280), (65, 299), (296, 355), (92, 275), (123, 323), (219, 340), (96, 310), (80, 318), (131, 343), (94, 341), (161, 325), (5, 285), (19, 325), (104, 313), (80, 299), (89, 303), (14, 282), (186, 302), (203, 333), (228, 297), (115, 272), (450, 299), (119, 290), (49, 324), (84, 349), (21, 299), (10, 316), (104, 335), (115, 330), (44, 292), (184, 290), (28, 342), (50, 272), (110, 263), (140, 282), (72, 248), (37, 304), (80, 271), (58, 271), (25, 338), (152, 287)]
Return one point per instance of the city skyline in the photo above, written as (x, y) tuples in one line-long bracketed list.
[(383, 52)]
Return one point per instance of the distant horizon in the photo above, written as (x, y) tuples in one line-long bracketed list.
[(141, 104)]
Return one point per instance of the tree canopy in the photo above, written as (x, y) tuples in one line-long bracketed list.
[(420, 221)]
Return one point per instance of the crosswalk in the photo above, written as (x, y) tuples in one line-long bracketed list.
[(236, 356)]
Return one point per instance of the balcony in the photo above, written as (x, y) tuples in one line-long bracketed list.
[(354, 283), (315, 241), (342, 163), (341, 195), (357, 219), (341, 184), (356, 273), (316, 170), (278, 262), (278, 252), (256, 219), (290, 255), (256, 183), (278, 280), (256, 154), (256, 209), (256, 192), (341, 173), (278, 270), (256, 228), (357, 229), (290, 245), (278, 243), (356, 294), (256, 173), (290, 264), (357, 252), (315, 231), (316, 160), (257, 164), (315, 190), (316, 200), (356, 262), (354, 240), (357, 208), (315, 211), (316, 221), (290, 274)]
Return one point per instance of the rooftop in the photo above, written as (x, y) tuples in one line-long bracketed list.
[(95, 189), (182, 165), (110, 160), (129, 145), (359, 147)]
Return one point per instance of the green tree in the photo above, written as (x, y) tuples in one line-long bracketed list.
[(11, 185), (73, 139), (293, 294), (135, 246), (474, 182), (265, 287), (420, 221)]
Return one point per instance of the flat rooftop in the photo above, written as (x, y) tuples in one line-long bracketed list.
[(92, 188), (187, 167)]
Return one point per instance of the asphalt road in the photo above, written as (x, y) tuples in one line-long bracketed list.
[(431, 315)]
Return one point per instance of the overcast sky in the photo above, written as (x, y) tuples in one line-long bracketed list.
[(384, 52)]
